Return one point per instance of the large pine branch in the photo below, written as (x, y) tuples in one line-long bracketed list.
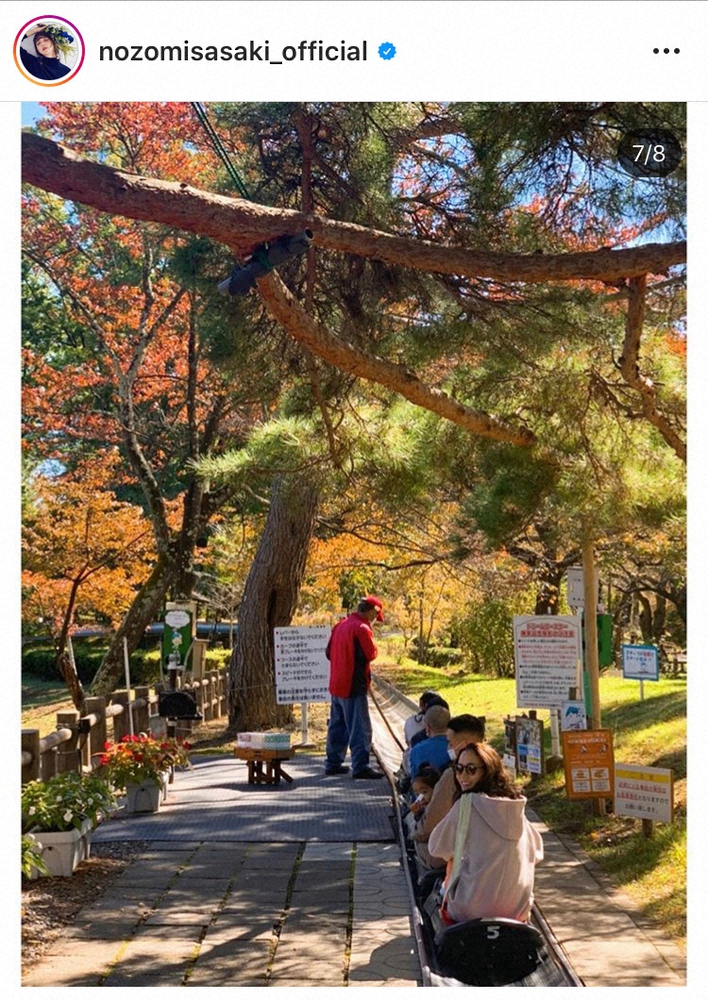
[(242, 224), (346, 357)]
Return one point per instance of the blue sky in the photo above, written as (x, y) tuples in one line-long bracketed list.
[(31, 111)]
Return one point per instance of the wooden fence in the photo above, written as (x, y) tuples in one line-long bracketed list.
[(78, 739)]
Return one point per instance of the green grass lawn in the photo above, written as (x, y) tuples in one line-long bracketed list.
[(652, 732)]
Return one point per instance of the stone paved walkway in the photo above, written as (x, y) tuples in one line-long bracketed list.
[(244, 914)]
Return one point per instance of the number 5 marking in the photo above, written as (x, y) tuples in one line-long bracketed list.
[(493, 932)]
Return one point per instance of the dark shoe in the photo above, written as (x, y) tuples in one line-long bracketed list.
[(368, 772), (337, 769)]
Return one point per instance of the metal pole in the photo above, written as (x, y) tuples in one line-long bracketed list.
[(126, 658), (304, 734)]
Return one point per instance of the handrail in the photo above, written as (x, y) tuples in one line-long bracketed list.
[(38, 755)]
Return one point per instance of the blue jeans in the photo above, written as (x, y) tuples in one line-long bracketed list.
[(349, 726)]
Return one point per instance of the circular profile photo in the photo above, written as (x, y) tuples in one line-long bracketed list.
[(49, 50)]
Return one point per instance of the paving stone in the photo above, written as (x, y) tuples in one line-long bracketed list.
[(283, 982), (223, 930), (54, 975), (207, 978), (183, 918), (209, 873), (166, 978), (311, 946), (164, 858), (327, 852), (408, 983), (153, 952), (329, 967), (242, 958), (97, 954), (175, 846), (201, 892), (114, 931), (156, 880)]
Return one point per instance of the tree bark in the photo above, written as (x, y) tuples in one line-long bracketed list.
[(632, 373), (269, 600), (142, 613), (344, 356), (242, 224)]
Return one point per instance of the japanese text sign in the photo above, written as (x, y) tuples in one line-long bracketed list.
[(640, 663), (589, 763), (644, 792), (547, 655), (301, 667)]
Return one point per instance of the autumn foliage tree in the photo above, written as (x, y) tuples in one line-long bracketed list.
[(84, 555), (136, 372)]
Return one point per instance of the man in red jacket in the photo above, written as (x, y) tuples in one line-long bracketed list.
[(350, 650)]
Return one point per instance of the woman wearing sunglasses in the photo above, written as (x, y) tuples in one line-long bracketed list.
[(489, 845)]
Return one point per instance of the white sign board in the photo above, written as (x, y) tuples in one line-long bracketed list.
[(573, 716), (644, 792), (575, 591), (301, 667), (547, 656), (640, 663)]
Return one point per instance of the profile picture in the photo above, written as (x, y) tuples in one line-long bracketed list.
[(49, 51)]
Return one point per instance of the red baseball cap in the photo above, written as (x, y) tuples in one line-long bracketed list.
[(376, 603)]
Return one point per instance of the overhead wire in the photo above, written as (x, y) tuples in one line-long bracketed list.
[(219, 149)]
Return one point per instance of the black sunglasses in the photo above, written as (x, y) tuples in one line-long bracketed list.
[(467, 768)]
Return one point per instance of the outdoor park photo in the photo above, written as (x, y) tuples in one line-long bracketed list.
[(354, 447)]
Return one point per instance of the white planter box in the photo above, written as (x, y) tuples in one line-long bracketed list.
[(145, 797), (62, 852)]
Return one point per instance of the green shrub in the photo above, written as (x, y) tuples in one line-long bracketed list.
[(217, 658), (486, 634), (443, 656), (39, 662), (64, 801)]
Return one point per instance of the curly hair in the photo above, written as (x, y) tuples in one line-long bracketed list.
[(496, 781)]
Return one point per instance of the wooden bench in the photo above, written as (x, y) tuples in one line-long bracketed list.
[(265, 767)]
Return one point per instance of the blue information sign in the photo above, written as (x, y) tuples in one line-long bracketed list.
[(640, 663)]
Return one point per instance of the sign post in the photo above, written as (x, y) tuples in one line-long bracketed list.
[(573, 716), (177, 636), (640, 663), (301, 667), (529, 743), (645, 793), (547, 653), (589, 764)]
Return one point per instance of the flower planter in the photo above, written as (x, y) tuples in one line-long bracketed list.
[(63, 851), (143, 798)]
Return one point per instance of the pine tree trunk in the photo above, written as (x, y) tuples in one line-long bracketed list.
[(269, 601)]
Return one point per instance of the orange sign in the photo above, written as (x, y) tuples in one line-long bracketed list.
[(589, 764)]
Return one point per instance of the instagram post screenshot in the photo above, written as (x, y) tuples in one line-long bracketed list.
[(346, 395)]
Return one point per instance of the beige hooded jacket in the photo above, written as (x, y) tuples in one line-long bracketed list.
[(493, 874)]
